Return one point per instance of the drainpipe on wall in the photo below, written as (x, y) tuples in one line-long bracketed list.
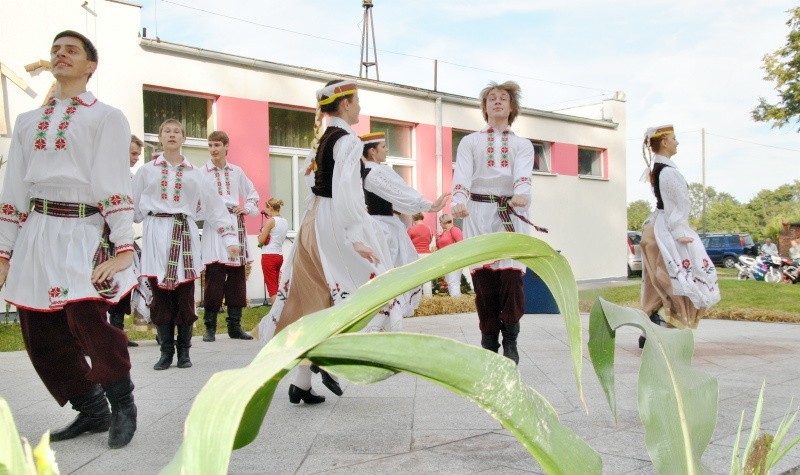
[(439, 171)]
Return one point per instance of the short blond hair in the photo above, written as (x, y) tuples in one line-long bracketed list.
[(513, 90), (171, 121)]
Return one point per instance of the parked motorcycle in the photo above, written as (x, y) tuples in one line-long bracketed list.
[(789, 269), (764, 268)]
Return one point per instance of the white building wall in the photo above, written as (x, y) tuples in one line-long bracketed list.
[(586, 217)]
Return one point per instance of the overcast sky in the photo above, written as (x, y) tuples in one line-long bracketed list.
[(696, 64)]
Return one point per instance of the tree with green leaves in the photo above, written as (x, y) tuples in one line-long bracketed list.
[(783, 68), (638, 211)]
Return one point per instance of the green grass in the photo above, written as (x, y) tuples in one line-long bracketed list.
[(741, 300), (11, 335)]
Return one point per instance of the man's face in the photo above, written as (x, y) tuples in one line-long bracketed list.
[(69, 60), (498, 104), (135, 153), (218, 150)]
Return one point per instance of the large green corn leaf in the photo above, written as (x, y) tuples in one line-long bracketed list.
[(677, 403), (488, 379), (213, 429), (12, 457)]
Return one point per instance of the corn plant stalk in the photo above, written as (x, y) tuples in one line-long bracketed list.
[(777, 449), (677, 403), (16, 456), (212, 430), (488, 379)]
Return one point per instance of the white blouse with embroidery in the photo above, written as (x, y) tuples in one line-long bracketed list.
[(231, 184), (159, 187), (70, 150), (675, 196), (386, 183)]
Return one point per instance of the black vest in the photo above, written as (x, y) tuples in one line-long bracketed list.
[(323, 178), (657, 169), (376, 206)]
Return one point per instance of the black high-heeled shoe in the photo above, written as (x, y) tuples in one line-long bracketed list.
[(328, 380), (296, 395)]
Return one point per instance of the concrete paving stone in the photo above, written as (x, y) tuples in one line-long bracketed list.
[(437, 428), (323, 463), (362, 441), (424, 439)]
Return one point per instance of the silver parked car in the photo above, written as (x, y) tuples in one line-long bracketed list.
[(634, 253)]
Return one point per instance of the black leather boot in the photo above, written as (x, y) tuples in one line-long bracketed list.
[(328, 380), (93, 415), (166, 337), (210, 319), (235, 324), (123, 412), (490, 342), (510, 333), (296, 395), (655, 317), (117, 320), (183, 344)]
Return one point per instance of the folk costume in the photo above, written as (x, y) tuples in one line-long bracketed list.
[(386, 193), (678, 277), (223, 277), (169, 199), (323, 268), (66, 206), (492, 166)]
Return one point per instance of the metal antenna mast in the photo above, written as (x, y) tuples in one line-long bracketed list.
[(367, 31)]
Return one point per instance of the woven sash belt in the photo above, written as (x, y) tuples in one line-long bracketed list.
[(242, 234), (504, 211), (180, 243), (105, 250)]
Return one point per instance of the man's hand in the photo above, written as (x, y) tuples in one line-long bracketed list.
[(109, 268), (238, 210), (233, 252), (685, 240), (439, 203), (459, 211), (4, 265), (519, 201), (366, 252)]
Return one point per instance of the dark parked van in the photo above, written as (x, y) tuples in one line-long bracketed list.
[(725, 249)]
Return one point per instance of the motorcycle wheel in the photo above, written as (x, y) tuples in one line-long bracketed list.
[(773, 276), (743, 275)]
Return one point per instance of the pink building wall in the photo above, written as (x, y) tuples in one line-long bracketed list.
[(425, 135), (564, 159), (247, 124)]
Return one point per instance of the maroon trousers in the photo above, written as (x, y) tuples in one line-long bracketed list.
[(172, 307), (224, 281), (59, 342), (499, 297), (123, 307)]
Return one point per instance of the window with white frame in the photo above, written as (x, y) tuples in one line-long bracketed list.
[(192, 111), (285, 182), (541, 156), (590, 162)]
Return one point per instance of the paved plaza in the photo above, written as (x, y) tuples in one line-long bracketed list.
[(407, 425)]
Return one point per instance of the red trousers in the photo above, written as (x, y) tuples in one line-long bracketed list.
[(271, 267), (172, 307), (499, 297), (224, 281), (59, 342)]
